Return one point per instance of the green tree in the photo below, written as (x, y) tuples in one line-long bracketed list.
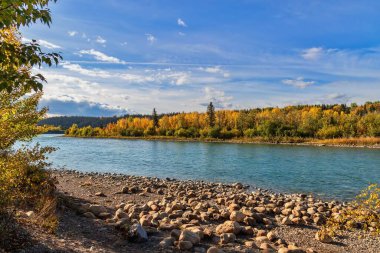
[(155, 118), (211, 115)]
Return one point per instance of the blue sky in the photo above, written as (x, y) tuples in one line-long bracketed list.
[(130, 56)]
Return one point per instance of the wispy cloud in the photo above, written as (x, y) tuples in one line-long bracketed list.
[(101, 56), (42, 43), (217, 97), (298, 82), (100, 40), (313, 53), (150, 38), (72, 33), (215, 70), (180, 22)]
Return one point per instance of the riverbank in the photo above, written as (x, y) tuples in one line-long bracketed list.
[(98, 212), (373, 142)]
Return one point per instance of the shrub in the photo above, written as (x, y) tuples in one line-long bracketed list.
[(150, 131), (214, 132), (363, 213), (250, 133), (181, 133), (170, 132)]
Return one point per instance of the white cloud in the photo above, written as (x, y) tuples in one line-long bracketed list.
[(215, 70), (79, 69), (181, 34), (217, 97), (100, 40), (124, 43), (313, 53), (42, 43), (72, 33), (101, 56), (180, 22), (150, 38), (48, 44), (299, 82)]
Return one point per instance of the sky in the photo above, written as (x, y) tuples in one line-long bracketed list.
[(131, 56)]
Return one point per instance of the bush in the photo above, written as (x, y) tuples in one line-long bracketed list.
[(363, 213), (329, 132), (250, 133), (25, 184), (170, 132), (181, 133), (150, 131), (225, 134), (214, 132)]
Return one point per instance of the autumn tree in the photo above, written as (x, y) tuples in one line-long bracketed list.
[(23, 178), (211, 115)]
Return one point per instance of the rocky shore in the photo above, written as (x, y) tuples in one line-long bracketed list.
[(119, 213)]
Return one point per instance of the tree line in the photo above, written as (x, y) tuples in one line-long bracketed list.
[(302, 121)]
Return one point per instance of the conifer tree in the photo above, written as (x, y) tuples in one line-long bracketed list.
[(211, 114), (155, 118)]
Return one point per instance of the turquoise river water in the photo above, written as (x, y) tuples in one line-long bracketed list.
[(329, 172)]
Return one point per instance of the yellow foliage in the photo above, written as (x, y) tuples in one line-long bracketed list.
[(363, 213)]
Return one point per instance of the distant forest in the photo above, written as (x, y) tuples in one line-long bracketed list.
[(65, 122), (303, 121)]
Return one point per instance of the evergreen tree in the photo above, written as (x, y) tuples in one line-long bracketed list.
[(211, 114), (155, 118)]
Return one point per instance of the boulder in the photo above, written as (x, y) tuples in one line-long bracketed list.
[(190, 236), (229, 227), (136, 233), (237, 216)]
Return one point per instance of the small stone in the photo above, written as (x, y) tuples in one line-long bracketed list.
[(227, 238), (250, 244), (271, 236), (238, 186), (199, 250), (265, 246), (237, 216), (120, 214), (104, 215), (167, 242), (97, 209), (286, 221), (214, 250), (30, 214), (262, 239), (261, 233), (89, 215), (185, 245), (190, 236), (100, 194), (175, 233)]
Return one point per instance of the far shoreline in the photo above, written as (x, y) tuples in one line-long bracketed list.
[(314, 143)]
